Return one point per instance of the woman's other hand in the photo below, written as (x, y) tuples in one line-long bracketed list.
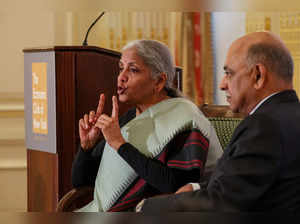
[(88, 132), (110, 126)]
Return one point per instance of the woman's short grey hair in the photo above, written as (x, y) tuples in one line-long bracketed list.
[(158, 58), (276, 59)]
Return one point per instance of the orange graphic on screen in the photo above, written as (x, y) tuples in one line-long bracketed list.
[(39, 98)]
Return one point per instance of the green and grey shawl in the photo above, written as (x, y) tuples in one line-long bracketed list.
[(149, 132)]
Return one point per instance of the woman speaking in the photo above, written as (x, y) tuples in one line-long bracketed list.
[(158, 146)]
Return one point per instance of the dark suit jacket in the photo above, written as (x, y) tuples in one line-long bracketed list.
[(259, 170)]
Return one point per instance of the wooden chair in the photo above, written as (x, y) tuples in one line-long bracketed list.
[(223, 120), (75, 199), (221, 117)]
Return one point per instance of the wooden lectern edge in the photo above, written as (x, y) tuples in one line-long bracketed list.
[(72, 48)]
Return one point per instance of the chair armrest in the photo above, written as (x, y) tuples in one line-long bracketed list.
[(75, 199)]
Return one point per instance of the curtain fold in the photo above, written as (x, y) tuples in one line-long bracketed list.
[(197, 57)]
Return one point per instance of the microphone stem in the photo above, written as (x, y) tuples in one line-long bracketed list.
[(87, 33)]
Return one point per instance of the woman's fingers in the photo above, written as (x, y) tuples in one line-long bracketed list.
[(105, 117), (111, 130), (86, 121), (100, 105), (81, 124), (115, 109), (92, 116), (103, 121)]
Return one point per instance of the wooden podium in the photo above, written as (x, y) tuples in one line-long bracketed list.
[(60, 85)]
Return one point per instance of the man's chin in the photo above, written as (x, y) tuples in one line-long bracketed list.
[(238, 110), (233, 108)]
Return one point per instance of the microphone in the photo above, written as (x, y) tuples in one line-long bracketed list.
[(87, 33)]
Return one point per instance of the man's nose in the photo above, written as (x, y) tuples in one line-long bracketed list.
[(223, 84)]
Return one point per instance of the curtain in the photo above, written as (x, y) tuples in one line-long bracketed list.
[(197, 57)]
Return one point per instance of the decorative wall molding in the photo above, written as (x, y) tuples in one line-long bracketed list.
[(11, 104), (11, 101), (12, 142), (12, 107), (12, 164)]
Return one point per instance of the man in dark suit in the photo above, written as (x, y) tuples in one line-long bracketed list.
[(260, 168)]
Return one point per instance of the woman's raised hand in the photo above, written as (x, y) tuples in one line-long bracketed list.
[(110, 126), (88, 131)]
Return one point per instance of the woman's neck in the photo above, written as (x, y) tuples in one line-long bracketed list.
[(140, 108)]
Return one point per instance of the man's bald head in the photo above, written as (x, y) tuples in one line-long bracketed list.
[(257, 65), (268, 49)]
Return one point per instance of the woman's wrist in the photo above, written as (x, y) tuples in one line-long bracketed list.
[(86, 147), (116, 145)]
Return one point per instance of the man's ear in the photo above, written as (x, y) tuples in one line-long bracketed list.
[(161, 82), (259, 76)]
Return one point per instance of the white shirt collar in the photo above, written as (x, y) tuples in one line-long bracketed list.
[(260, 103)]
